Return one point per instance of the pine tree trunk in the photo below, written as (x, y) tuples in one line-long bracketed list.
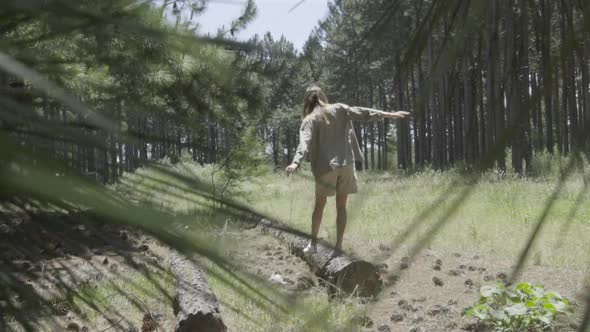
[(469, 125), (546, 64), (492, 58), (556, 113), (417, 124), (586, 90), (565, 106), (525, 120), (513, 89), (570, 73), (482, 110), (499, 121), (372, 132)]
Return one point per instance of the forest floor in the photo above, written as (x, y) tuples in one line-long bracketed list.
[(410, 300), (70, 272), (481, 238), (111, 278), (114, 281)]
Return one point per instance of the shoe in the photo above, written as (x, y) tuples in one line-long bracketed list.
[(336, 252), (310, 248)]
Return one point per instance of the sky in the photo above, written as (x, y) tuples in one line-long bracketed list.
[(272, 15)]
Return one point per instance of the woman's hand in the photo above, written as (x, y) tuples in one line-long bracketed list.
[(292, 168), (397, 115)]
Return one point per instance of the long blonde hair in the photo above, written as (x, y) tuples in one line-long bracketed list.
[(315, 98)]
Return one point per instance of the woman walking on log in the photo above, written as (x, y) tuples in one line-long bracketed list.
[(327, 136)]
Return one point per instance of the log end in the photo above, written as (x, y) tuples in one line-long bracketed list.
[(201, 322), (355, 277), (195, 306)]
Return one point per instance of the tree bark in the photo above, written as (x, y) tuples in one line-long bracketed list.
[(342, 273), (546, 64), (525, 120), (196, 308)]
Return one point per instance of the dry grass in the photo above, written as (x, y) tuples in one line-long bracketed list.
[(493, 222)]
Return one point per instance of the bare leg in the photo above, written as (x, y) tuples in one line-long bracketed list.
[(316, 218), (340, 219)]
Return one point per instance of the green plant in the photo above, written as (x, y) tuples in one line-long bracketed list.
[(245, 161), (521, 307)]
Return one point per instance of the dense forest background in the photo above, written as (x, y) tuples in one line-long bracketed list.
[(91, 90), (502, 79)]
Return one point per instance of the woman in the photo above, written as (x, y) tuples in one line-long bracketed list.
[(326, 135)]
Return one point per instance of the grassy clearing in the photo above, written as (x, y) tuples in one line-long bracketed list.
[(119, 302), (312, 311), (495, 219), (132, 293), (255, 307)]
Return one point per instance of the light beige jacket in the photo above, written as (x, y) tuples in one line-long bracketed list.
[(332, 143)]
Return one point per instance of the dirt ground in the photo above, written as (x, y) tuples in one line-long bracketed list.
[(69, 255), (66, 272), (427, 294), (432, 297)]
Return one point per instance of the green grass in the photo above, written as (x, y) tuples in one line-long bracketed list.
[(121, 301), (496, 218), (243, 308), (132, 293), (494, 221), (312, 311)]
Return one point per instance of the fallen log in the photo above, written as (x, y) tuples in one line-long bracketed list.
[(342, 272), (196, 307)]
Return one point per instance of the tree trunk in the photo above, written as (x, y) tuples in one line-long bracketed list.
[(196, 307), (342, 273), (417, 119), (565, 106), (571, 42), (492, 49), (433, 117), (482, 111), (499, 109), (513, 93), (372, 146), (586, 90), (469, 125), (546, 64), (365, 148), (525, 120)]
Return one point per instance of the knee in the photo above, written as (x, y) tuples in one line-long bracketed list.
[(341, 210), (320, 203)]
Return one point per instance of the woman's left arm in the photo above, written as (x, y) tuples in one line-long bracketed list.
[(305, 135), (369, 114)]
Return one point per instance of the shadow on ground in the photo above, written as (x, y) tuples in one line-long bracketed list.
[(62, 270)]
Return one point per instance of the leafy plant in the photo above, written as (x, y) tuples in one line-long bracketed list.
[(521, 307)]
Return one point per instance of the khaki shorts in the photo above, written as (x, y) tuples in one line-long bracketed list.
[(341, 180)]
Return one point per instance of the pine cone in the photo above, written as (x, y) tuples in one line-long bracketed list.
[(73, 327), (149, 324), (61, 309)]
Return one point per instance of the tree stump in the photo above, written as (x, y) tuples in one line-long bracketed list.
[(341, 273), (196, 306)]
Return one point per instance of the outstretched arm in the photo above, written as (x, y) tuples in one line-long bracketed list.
[(369, 114), (305, 134)]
